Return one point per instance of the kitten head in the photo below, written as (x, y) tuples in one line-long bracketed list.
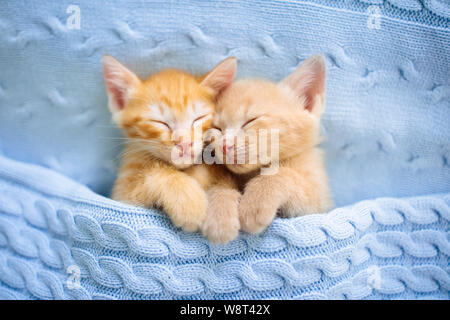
[(166, 114), (288, 112)]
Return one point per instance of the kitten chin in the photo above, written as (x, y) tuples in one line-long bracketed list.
[(243, 168)]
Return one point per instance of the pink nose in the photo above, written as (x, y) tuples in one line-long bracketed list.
[(184, 147)]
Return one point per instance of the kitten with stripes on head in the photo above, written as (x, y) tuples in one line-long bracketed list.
[(164, 118)]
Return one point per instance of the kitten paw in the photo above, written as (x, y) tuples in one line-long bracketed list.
[(255, 216), (189, 209), (222, 223)]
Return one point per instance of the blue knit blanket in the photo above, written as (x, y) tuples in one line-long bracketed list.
[(59, 240), (387, 129)]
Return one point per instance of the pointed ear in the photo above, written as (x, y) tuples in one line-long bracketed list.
[(308, 82), (119, 82), (219, 78)]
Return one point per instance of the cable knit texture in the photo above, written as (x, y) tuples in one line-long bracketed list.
[(384, 248), (387, 143)]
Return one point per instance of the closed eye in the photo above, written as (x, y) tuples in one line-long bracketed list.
[(249, 122), (200, 118), (162, 123)]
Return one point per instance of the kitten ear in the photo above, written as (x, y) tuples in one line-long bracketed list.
[(308, 82), (119, 83), (219, 78)]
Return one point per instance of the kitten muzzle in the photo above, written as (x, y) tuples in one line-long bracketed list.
[(184, 148)]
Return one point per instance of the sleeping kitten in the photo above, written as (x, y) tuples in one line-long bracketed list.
[(164, 118), (297, 183)]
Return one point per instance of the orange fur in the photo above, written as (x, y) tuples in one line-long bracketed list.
[(159, 116), (294, 107)]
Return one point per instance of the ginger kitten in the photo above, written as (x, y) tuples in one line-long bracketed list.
[(297, 184), (164, 118)]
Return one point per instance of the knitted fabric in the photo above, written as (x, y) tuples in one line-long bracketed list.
[(53, 229), (387, 143)]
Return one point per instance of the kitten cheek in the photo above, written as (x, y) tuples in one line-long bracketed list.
[(166, 137)]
